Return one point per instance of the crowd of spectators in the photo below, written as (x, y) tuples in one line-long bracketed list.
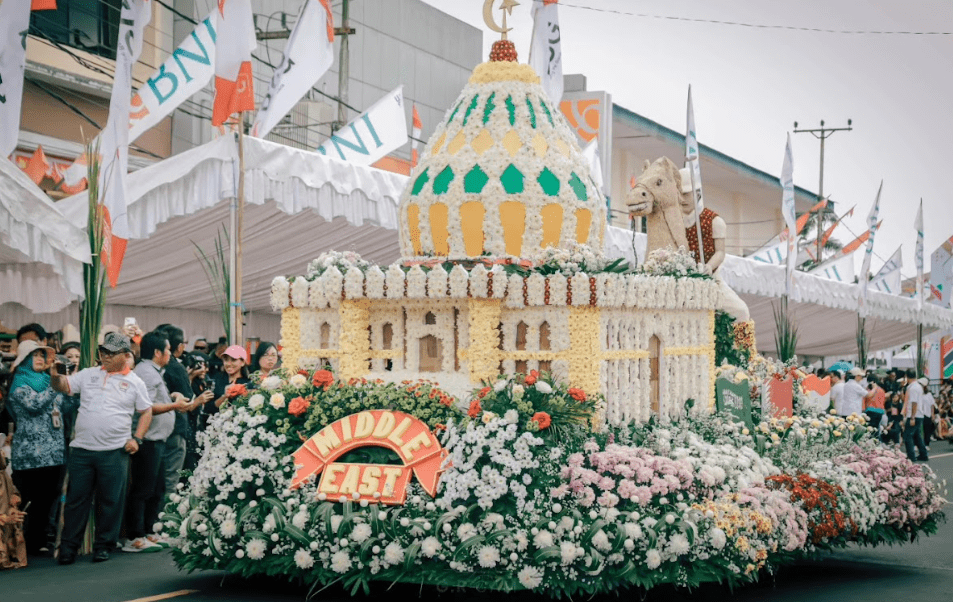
[(115, 437)]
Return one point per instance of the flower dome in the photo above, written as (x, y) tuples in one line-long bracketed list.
[(501, 175)]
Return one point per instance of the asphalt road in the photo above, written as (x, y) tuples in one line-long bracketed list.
[(923, 570)]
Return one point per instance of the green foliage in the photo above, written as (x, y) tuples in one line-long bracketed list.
[(725, 348), (215, 264), (94, 273), (785, 332)]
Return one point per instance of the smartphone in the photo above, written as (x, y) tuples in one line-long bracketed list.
[(130, 322)]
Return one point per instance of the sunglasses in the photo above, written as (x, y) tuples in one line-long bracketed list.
[(106, 353)]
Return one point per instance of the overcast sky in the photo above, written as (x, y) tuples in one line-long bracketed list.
[(750, 85)]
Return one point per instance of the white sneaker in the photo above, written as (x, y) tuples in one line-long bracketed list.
[(141, 544)]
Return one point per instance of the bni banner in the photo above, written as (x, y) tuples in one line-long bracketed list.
[(187, 71), (374, 133)]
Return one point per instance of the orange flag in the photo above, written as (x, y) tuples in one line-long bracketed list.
[(37, 166), (830, 231), (802, 221), (234, 87), (853, 246), (43, 5)]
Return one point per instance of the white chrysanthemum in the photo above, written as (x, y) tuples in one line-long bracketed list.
[(430, 546), (393, 553), (361, 532), (518, 392), (303, 559), (298, 380), (530, 577), (228, 528), (543, 539), (277, 401), (500, 385), (271, 383), (256, 549), (543, 387), (300, 520), (466, 531), (601, 541), (488, 556), (653, 559), (567, 551), (633, 530), (256, 401), (269, 525), (340, 562), (718, 538), (678, 544), (488, 416)]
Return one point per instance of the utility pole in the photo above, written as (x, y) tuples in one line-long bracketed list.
[(821, 134), (344, 66)]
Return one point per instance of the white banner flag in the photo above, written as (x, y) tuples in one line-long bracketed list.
[(545, 51), (888, 279), (840, 268), (918, 257), (114, 139), (187, 71), (692, 159), (308, 55), (872, 225), (14, 24), (374, 133), (787, 212)]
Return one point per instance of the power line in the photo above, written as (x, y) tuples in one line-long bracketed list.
[(753, 25)]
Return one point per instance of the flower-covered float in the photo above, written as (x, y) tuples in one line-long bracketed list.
[(505, 409)]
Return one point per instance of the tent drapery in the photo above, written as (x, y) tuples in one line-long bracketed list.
[(41, 253)]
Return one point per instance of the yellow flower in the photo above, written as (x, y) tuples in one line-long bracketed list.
[(837, 433)]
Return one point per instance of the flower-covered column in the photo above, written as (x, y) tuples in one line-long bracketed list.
[(355, 340), (483, 355), (291, 338), (585, 352)]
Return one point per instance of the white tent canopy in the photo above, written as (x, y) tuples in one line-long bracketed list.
[(41, 253), (299, 204)]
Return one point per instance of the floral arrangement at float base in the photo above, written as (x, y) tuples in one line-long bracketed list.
[(695, 500)]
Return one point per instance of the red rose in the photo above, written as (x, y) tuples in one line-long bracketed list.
[(475, 409), (542, 419), (322, 378), (233, 391), (531, 377), (298, 406), (577, 394)]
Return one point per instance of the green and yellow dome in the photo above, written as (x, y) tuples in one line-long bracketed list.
[(502, 175)]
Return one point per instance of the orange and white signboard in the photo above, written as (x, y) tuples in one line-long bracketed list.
[(818, 392), (410, 438), (777, 398)]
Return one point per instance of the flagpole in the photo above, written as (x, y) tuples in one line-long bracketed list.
[(240, 201), (698, 223)]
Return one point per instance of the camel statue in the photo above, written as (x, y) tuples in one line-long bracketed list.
[(657, 194)]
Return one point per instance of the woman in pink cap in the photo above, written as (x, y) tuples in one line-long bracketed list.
[(235, 372)]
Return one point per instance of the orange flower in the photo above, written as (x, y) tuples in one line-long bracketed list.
[(445, 400), (475, 409), (298, 406), (483, 392), (233, 391), (440, 427), (531, 377), (542, 419), (577, 394), (322, 378)]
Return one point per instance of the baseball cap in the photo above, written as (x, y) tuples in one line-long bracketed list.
[(238, 352), (115, 342)]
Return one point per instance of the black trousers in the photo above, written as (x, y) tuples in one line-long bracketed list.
[(103, 473), (146, 488), (40, 488)]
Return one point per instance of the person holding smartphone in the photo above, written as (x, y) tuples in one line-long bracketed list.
[(38, 446)]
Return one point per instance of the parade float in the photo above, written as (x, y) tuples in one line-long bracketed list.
[(506, 409)]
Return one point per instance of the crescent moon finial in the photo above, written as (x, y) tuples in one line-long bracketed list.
[(507, 7)]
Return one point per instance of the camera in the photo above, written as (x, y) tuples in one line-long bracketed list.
[(63, 365)]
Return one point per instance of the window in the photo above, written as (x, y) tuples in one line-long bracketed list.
[(89, 25)]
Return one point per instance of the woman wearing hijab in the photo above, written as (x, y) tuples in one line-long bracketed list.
[(265, 359), (38, 443)]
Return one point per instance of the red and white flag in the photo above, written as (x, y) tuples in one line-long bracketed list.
[(415, 138), (308, 56), (114, 139), (235, 41)]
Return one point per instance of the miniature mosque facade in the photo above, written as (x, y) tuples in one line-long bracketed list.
[(502, 180)]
